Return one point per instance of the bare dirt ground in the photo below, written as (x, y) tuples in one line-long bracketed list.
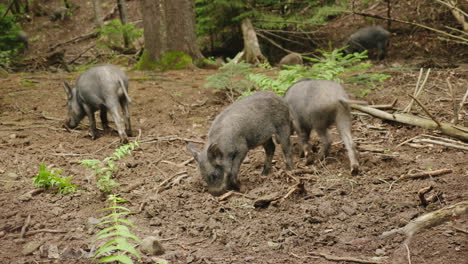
[(340, 214)]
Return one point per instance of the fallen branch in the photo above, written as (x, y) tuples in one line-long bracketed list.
[(445, 128), (349, 259), (430, 220), (76, 39), (424, 174)]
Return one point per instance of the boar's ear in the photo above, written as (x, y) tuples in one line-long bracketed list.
[(214, 153), (195, 152), (68, 90)]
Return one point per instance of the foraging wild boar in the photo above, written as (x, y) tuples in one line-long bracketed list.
[(291, 59), (244, 125), (317, 104), (101, 88), (369, 38)]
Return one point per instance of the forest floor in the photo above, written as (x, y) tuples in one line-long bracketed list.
[(339, 214)]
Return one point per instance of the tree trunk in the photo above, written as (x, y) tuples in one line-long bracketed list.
[(123, 19), (97, 13), (252, 52), (169, 25)]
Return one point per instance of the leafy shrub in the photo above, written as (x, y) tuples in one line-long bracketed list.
[(10, 43), (103, 168), (118, 232), (51, 179), (332, 65), (231, 79)]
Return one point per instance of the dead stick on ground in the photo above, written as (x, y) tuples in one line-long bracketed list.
[(349, 259), (463, 101), (460, 229), (425, 110), (446, 144), (46, 231), (424, 174), (422, 193), (163, 184), (408, 253), (25, 226), (418, 89), (407, 141), (430, 220), (231, 193), (454, 103)]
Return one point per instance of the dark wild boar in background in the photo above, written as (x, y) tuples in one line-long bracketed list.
[(103, 88), (317, 104), (373, 38), (244, 125)]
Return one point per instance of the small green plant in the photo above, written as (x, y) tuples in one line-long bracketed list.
[(117, 230), (112, 35), (231, 79), (51, 179), (103, 168)]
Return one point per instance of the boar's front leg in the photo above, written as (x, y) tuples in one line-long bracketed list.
[(232, 167), (92, 121)]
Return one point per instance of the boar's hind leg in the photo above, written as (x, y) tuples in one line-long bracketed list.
[(92, 121), (325, 138), (126, 111), (119, 122), (344, 127), (285, 142), (269, 147)]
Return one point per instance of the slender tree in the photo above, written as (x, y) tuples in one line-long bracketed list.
[(169, 25), (97, 13)]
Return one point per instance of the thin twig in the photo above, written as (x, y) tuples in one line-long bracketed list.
[(424, 174), (25, 226), (418, 91), (46, 231), (408, 253), (425, 110), (425, 140), (454, 104)]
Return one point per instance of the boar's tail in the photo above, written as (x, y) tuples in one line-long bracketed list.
[(124, 88)]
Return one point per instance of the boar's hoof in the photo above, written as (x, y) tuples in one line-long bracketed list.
[(129, 133), (124, 140), (354, 169), (265, 171)]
